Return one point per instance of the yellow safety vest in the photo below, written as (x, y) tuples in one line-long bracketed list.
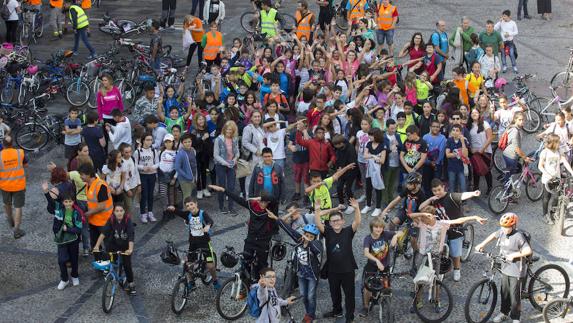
[(268, 22), (82, 17)]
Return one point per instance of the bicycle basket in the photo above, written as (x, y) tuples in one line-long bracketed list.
[(102, 265), (424, 276)]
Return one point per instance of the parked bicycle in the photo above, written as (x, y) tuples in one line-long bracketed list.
[(547, 283), (547, 107), (501, 195), (563, 81), (122, 27), (32, 25), (558, 310), (563, 189), (114, 279), (380, 285)]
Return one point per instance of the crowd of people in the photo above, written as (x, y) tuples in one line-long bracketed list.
[(331, 109)]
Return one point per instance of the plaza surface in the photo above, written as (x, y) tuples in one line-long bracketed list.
[(29, 272)]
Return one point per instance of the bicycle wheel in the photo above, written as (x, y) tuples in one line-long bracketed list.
[(32, 137), (127, 93), (231, 300), (562, 213), (385, 314), (557, 308), (538, 103), (532, 121), (563, 84), (249, 21), (94, 87), (288, 282), (39, 25), (24, 31), (179, 296), (468, 243), (433, 303), (481, 301), (108, 294), (77, 93), (534, 188), (549, 282), (498, 199), (110, 30), (498, 161)]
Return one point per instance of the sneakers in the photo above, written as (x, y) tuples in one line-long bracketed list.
[(504, 69), (151, 217), (62, 285), (515, 321), (307, 318), (19, 233), (86, 253), (500, 318), (206, 193), (216, 285), (130, 289), (332, 314), (515, 70), (75, 281), (200, 195), (363, 312), (361, 199), (144, 218), (224, 211), (457, 275), (376, 212), (365, 209), (349, 210), (92, 56)]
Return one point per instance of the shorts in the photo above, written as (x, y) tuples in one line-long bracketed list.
[(70, 151), (385, 34), (301, 173), (456, 247), (15, 199), (210, 257)]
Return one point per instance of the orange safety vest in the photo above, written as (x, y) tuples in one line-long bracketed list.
[(357, 9), (385, 18), (98, 219), (35, 2), (303, 27), (12, 176), (212, 45), (56, 3), (86, 4)]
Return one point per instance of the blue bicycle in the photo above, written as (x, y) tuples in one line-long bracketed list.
[(114, 279), (11, 87)]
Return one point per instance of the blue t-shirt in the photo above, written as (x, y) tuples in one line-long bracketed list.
[(440, 40), (300, 156), (284, 83), (72, 140), (455, 164), (268, 182)]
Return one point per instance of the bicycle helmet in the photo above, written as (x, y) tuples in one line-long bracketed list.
[(553, 186), (229, 259), (500, 83), (508, 220), (170, 255), (278, 251), (311, 228), (414, 178)]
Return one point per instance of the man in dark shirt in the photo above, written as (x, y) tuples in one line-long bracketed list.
[(341, 263)]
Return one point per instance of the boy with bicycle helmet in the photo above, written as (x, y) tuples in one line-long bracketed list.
[(199, 224), (514, 246)]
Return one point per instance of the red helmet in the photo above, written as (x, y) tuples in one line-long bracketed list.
[(508, 220)]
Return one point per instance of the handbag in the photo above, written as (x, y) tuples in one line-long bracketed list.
[(187, 39), (424, 275), (479, 165), (243, 168), (64, 237)]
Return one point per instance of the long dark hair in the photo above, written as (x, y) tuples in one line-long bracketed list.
[(412, 40), (112, 160), (470, 123)]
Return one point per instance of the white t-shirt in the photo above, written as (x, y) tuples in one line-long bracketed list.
[(504, 118), (393, 154), (167, 160), (477, 140), (432, 238), (131, 174), (362, 140), (113, 178), (276, 142), (12, 5), (551, 165), (564, 134)]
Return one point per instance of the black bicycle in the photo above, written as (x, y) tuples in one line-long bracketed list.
[(380, 286)]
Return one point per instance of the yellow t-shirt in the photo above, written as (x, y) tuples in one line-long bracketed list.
[(474, 84), (422, 90), (323, 194)]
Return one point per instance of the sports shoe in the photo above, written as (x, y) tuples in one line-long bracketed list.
[(172, 27), (151, 217), (515, 70), (457, 275), (19, 233), (349, 210), (515, 321), (361, 199), (62, 284), (86, 253), (199, 195), (144, 218), (500, 318), (131, 289), (206, 193), (307, 318), (75, 281), (332, 314), (365, 209), (92, 56), (376, 212), (224, 211), (216, 285), (363, 312), (504, 69)]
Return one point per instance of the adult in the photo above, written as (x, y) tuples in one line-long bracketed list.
[(80, 25), (544, 9), (226, 155), (212, 44), (513, 151), (465, 30), (252, 144), (508, 30), (490, 37), (93, 136), (269, 17), (82, 156), (439, 39), (415, 49), (13, 184), (168, 13), (14, 9), (193, 26), (203, 144), (214, 10), (325, 13), (386, 19), (198, 4), (481, 136), (489, 65), (449, 207), (356, 10), (56, 17), (304, 22), (186, 166), (267, 178), (522, 5)]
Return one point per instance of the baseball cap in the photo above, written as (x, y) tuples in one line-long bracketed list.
[(168, 137)]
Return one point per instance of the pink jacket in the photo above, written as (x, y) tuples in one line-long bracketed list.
[(112, 100)]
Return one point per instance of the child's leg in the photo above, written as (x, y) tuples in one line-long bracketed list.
[(73, 250), (63, 257), (126, 262)]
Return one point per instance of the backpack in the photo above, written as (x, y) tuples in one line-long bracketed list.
[(253, 302), (5, 11), (503, 141)]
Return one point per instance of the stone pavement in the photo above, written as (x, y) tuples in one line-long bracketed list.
[(29, 272)]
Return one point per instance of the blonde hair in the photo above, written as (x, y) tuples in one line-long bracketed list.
[(187, 21), (377, 222), (429, 209), (552, 142), (230, 124), (196, 117)]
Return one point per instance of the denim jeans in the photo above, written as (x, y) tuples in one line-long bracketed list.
[(226, 179), (457, 178), (147, 187), (307, 287), (511, 167), (511, 54), (83, 34), (522, 4)]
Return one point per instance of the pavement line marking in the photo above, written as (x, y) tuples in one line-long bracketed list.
[(78, 303), (22, 251)]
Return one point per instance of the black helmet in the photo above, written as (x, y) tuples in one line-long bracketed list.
[(278, 251), (229, 259), (170, 255), (414, 178)]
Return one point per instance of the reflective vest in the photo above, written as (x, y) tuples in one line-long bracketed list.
[(357, 9), (98, 219), (268, 22), (212, 45), (385, 17), (303, 27), (86, 4), (82, 17), (35, 2), (12, 176), (57, 3)]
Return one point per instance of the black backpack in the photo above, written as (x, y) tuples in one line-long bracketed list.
[(5, 11)]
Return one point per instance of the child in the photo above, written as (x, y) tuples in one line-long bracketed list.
[(294, 219), (151, 124), (4, 130), (423, 88), (67, 228), (273, 113), (376, 249), (362, 139), (121, 131), (300, 159), (379, 120), (275, 139), (393, 144), (119, 236), (412, 117), (401, 126), (174, 117), (461, 83), (186, 165), (269, 299), (147, 161), (132, 181), (375, 155), (457, 155), (426, 118), (114, 175), (276, 96), (166, 171), (199, 224), (155, 47), (72, 133), (345, 155)]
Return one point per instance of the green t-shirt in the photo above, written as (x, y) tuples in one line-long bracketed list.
[(422, 90), (169, 123), (378, 124), (323, 194), (80, 185), (494, 39), (68, 218)]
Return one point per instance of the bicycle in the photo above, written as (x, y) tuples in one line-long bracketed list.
[(540, 290), (37, 133), (32, 25), (558, 308), (565, 195), (501, 195), (113, 278), (250, 21), (290, 278), (379, 285), (522, 90), (548, 108), (499, 162), (564, 80)]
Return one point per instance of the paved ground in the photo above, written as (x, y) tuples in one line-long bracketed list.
[(29, 272)]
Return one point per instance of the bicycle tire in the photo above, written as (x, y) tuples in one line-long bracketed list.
[(32, 136), (127, 92), (532, 122), (468, 243), (24, 37), (94, 87), (497, 196), (110, 30), (563, 83), (549, 114), (385, 313), (562, 214), (249, 21), (498, 161), (77, 93), (490, 289), (288, 282), (108, 295), (180, 286), (208, 278), (421, 294), (557, 308), (39, 31), (538, 103), (534, 299), (220, 298), (534, 191)]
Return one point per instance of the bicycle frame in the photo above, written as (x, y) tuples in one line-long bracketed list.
[(511, 185)]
